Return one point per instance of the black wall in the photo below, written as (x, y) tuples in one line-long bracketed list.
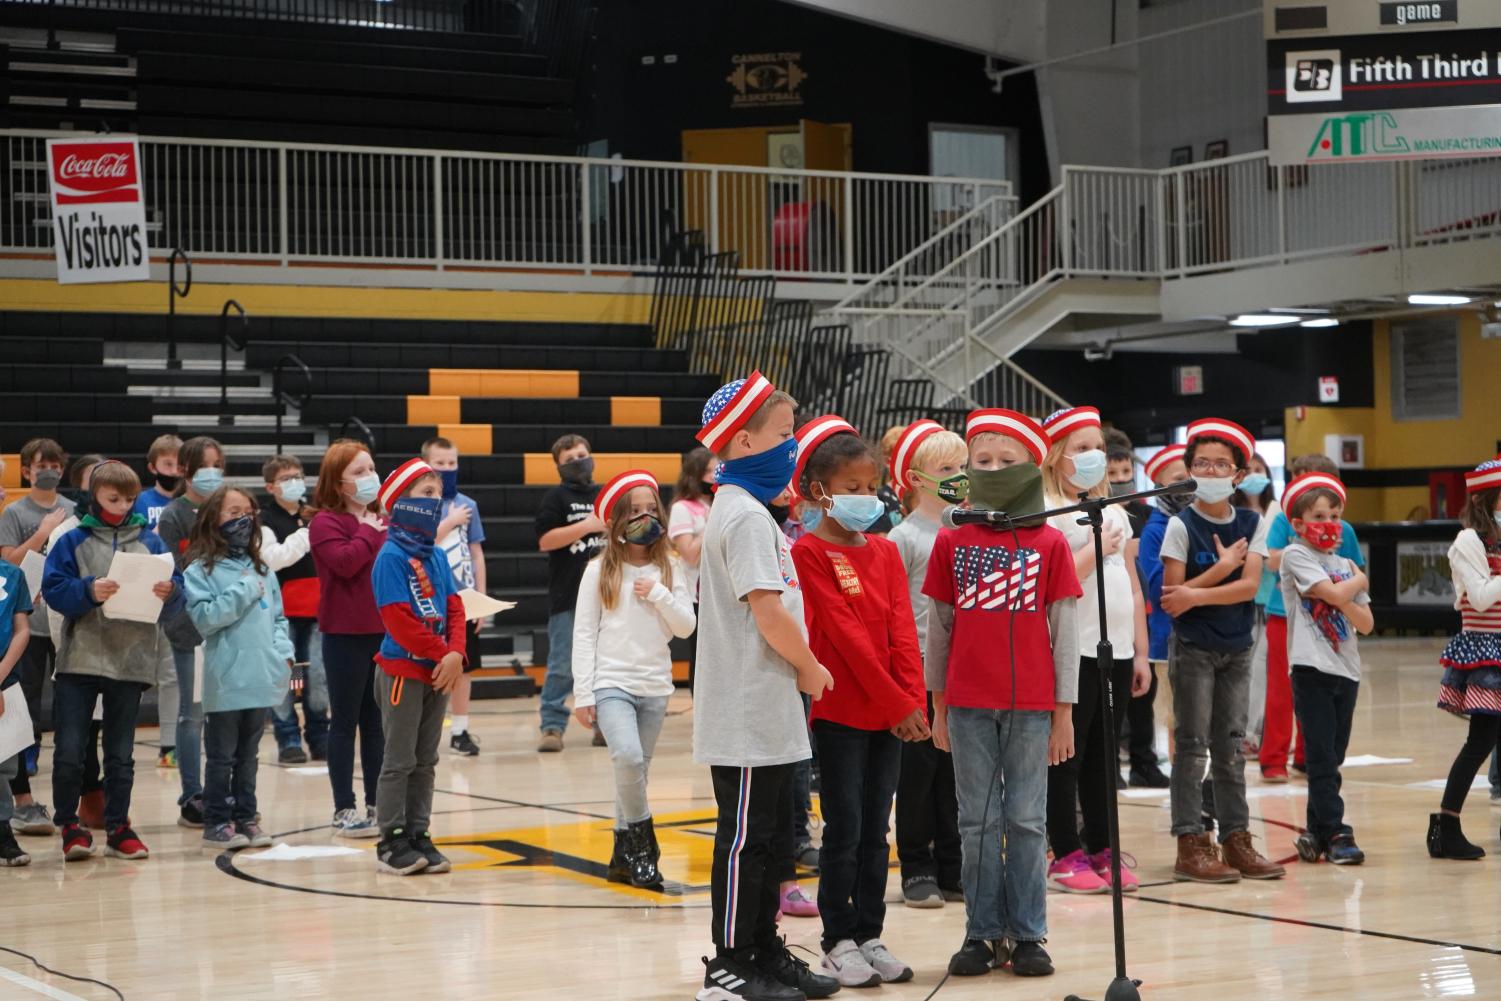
[(888, 86), (1271, 371)]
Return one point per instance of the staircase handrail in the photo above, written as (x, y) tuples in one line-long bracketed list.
[(227, 339), (279, 392)]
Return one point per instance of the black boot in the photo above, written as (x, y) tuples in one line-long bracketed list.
[(641, 855), (620, 869), (1447, 840)]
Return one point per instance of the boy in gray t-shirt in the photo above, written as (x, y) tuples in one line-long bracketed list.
[(1327, 604), (753, 658)]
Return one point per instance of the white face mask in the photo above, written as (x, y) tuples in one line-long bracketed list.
[(1213, 489), (1089, 469)]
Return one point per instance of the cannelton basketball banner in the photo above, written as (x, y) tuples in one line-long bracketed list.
[(98, 210)]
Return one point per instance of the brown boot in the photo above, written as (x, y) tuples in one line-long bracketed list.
[(1243, 856), (91, 809), (1198, 862)]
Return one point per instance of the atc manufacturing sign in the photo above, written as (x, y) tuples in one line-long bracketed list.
[(98, 210)]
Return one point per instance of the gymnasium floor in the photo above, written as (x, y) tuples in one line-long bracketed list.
[(527, 914)]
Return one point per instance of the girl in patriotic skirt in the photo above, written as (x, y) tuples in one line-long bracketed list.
[(1472, 660)]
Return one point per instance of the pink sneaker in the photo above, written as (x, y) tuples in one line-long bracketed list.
[(1074, 874), (798, 904), (1101, 865)]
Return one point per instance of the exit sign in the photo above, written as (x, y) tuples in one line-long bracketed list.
[(1189, 380)]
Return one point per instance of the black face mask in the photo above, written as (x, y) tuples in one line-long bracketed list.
[(167, 483), (779, 512), (77, 495), (1171, 504), (578, 472)]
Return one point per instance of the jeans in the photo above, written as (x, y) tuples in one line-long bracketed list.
[(1088, 778), (349, 661), (168, 702), (558, 683), (743, 883), (232, 740), (73, 698), (1326, 707), (927, 814), (1277, 723), (1483, 738), (8, 769), (1256, 706), (33, 670), (306, 650), (1001, 773), (859, 769), (1210, 691), (189, 725), (631, 725), (412, 717)]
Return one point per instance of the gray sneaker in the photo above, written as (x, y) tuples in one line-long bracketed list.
[(921, 892), (256, 837), (354, 824), (846, 964), (224, 837), (32, 819), (891, 969)]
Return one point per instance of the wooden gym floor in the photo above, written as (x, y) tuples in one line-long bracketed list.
[(527, 914)]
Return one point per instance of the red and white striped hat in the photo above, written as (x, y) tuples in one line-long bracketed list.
[(1484, 476), (730, 407), (1218, 427), (912, 436), (815, 433), (1307, 482), (1066, 422), (1011, 424), (1163, 459), (402, 477), (621, 486)]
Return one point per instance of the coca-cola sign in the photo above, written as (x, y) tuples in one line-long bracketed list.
[(98, 211)]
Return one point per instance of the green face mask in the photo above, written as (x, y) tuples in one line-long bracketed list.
[(952, 489), (1017, 489)]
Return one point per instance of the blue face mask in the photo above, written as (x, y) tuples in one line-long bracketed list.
[(237, 532), (366, 488), (1254, 484), (856, 512), (1089, 469), (811, 516), (450, 479), (414, 522), (765, 474), (293, 491), (208, 479)]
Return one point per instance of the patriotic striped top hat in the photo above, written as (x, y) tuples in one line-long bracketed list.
[(1218, 427), (1163, 459), (1484, 476), (621, 486), (1065, 422), (402, 477), (730, 407), (815, 433), (1316, 481), (906, 447), (1011, 424)]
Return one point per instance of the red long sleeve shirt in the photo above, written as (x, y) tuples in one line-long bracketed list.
[(860, 627)]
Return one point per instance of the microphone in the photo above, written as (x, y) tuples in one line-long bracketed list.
[(1187, 486), (954, 517)]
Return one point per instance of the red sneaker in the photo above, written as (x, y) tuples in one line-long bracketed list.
[(78, 843), (123, 843)]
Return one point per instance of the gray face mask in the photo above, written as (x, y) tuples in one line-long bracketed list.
[(1122, 489), (47, 479)]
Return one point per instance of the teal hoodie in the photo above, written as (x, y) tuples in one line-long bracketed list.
[(247, 648)]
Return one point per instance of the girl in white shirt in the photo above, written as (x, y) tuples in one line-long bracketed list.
[(632, 600)]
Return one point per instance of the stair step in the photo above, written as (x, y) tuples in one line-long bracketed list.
[(209, 405)]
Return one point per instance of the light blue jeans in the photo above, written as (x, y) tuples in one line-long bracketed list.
[(189, 727), (558, 684), (1001, 773), (631, 725)]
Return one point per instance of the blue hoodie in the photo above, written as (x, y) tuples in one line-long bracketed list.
[(247, 647)]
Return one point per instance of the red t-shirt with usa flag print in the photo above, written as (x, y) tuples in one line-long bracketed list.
[(998, 582)]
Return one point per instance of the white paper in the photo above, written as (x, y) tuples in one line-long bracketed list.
[(1144, 793), (310, 770), (15, 725), (137, 574), (1364, 760), (296, 853), (478, 606), (32, 565)]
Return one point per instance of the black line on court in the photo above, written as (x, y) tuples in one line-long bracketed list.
[(59, 973)]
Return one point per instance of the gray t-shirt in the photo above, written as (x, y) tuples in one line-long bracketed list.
[(914, 539), (20, 522), (1318, 635), (747, 712)]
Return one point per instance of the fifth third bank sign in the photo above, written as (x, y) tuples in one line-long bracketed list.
[(98, 210)]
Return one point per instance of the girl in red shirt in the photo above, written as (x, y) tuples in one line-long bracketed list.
[(860, 626)]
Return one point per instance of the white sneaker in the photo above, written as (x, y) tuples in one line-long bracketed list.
[(846, 964), (353, 824), (890, 969)]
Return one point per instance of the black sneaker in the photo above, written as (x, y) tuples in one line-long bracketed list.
[(974, 959), (778, 962), (463, 743), (319, 752), (396, 854), (1030, 959), (1149, 777), (11, 855), (436, 860), (738, 978), (292, 754), (1309, 847), (191, 814), (921, 892), (1343, 850)]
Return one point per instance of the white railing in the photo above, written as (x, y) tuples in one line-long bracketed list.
[(304, 203)]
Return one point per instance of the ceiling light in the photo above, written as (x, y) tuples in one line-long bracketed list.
[(1262, 320), (1437, 300), (1324, 321)]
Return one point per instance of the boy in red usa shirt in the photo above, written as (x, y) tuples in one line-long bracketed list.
[(860, 626), (1003, 666)]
